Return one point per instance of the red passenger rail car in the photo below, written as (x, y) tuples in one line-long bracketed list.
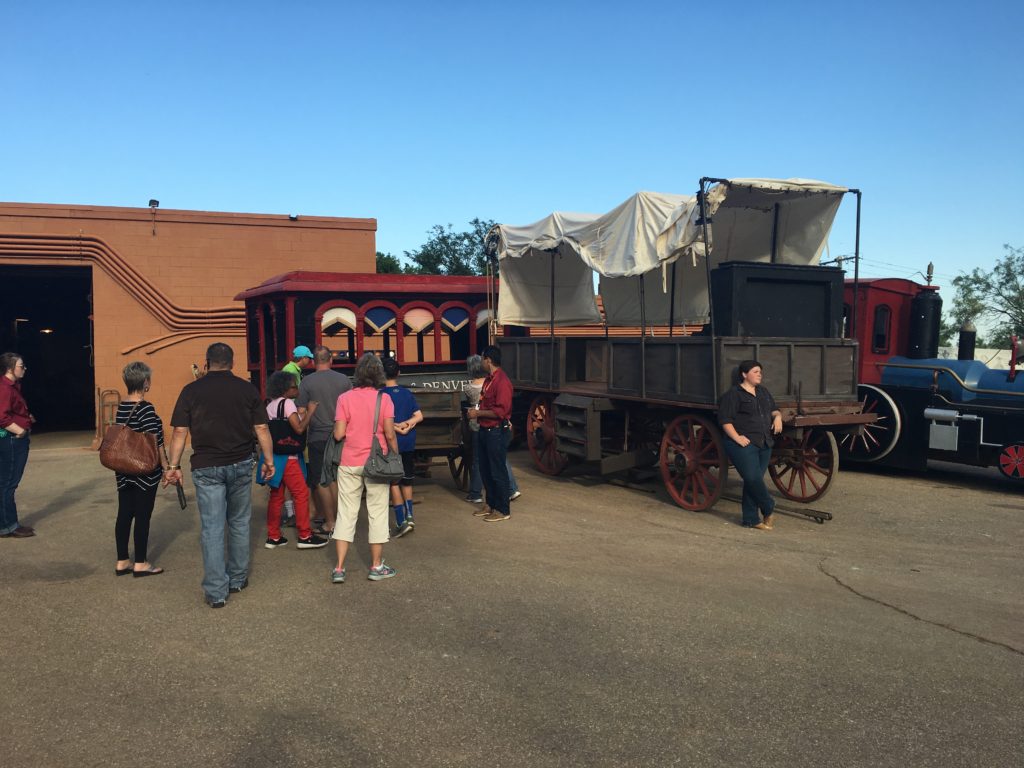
[(430, 323)]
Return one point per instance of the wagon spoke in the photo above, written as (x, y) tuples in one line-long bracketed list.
[(699, 480)]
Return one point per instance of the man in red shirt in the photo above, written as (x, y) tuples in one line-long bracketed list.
[(493, 414), (15, 425)]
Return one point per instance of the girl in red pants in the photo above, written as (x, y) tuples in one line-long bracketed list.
[(289, 465)]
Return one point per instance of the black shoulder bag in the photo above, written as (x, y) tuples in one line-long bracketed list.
[(287, 442)]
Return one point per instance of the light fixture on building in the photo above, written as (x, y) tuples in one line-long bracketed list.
[(46, 330), (293, 217), (153, 205)]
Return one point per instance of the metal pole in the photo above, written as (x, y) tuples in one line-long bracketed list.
[(551, 330), (707, 269), (672, 299), (856, 272), (775, 232), (643, 339)]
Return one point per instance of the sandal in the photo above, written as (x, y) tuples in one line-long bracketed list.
[(151, 571), (123, 571)]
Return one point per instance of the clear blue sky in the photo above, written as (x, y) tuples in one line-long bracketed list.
[(433, 113)]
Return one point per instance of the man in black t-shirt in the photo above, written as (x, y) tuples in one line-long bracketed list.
[(222, 412), (323, 386)]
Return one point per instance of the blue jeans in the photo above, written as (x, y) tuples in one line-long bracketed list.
[(494, 467), (476, 483), (13, 458), (224, 497), (751, 462)]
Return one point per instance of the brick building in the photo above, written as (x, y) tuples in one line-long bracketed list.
[(87, 289)]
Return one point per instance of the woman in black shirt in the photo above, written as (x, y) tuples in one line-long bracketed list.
[(136, 494), (749, 418)]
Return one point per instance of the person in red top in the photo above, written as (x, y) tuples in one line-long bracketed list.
[(15, 424), (492, 414)]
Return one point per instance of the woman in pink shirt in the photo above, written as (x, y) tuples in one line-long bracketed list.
[(354, 423)]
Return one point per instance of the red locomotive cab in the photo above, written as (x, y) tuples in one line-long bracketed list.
[(883, 321)]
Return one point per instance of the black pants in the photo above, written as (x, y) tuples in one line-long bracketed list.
[(133, 504), (493, 469)]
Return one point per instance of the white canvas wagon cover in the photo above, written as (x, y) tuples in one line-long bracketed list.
[(655, 239)]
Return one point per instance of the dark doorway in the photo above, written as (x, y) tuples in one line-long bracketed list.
[(45, 316)]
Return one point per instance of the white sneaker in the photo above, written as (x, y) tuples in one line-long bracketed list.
[(515, 495)]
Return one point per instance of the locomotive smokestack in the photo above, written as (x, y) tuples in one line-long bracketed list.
[(925, 317), (968, 337)]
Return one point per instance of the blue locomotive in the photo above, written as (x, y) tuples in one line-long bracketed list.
[(928, 407)]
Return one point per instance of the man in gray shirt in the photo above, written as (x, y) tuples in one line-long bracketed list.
[(324, 387)]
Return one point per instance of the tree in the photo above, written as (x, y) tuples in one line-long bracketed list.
[(448, 252), (388, 264), (992, 298)]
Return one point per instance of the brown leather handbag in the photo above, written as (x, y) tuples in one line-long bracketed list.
[(129, 452)]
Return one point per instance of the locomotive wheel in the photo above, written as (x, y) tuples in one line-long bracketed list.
[(1011, 461), (803, 469), (541, 439), (693, 462), (876, 440)]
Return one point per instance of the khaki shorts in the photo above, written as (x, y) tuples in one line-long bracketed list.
[(350, 492)]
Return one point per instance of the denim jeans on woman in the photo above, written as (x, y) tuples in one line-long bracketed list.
[(224, 498), (751, 462), (13, 458)]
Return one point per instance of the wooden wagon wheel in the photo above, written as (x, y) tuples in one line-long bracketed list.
[(875, 440), (460, 458), (541, 424), (803, 469), (693, 462), (460, 464), (1011, 461)]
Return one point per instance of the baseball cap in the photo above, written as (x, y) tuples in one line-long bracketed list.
[(302, 351)]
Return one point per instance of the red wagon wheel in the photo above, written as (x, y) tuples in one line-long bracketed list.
[(460, 458), (802, 469), (1011, 461), (876, 440), (541, 439), (460, 464), (693, 462)]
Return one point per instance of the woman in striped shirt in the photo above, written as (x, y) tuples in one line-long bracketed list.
[(136, 494)]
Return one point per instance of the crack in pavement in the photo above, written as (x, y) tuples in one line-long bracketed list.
[(915, 617)]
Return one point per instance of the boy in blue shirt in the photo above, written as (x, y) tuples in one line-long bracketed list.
[(407, 416)]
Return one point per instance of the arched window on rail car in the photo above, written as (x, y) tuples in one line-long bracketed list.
[(456, 326), (483, 319), (252, 334), (418, 332), (282, 349), (267, 321), (338, 333), (379, 331), (880, 329)]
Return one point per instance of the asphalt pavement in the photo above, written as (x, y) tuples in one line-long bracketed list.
[(600, 626)]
